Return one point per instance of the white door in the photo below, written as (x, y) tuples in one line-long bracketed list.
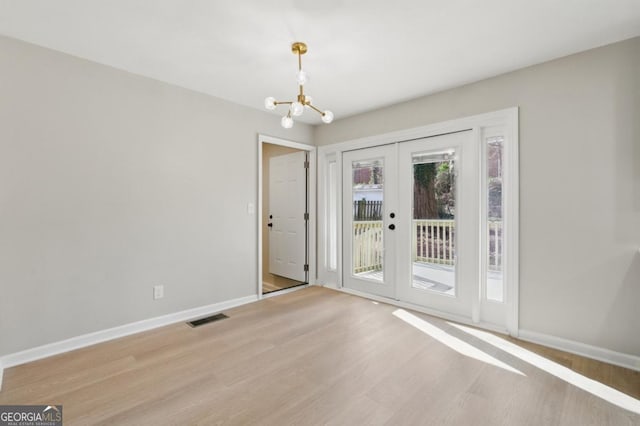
[(438, 257), (287, 224), (410, 222), (369, 188)]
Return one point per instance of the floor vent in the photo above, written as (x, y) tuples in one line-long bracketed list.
[(207, 320)]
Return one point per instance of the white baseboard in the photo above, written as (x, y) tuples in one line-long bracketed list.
[(84, 340), (631, 362), (331, 286)]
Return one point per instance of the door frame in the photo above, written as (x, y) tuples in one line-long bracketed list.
[(506, 119), (311, 207)]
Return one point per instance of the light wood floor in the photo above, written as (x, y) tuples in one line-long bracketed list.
[(314, 356)]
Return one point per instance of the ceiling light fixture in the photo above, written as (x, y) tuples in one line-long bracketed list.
[(297, 107)]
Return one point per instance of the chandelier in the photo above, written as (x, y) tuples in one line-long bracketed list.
[(297, 107)]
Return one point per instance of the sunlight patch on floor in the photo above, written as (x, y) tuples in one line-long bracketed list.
[(452, 342), (592, 386)]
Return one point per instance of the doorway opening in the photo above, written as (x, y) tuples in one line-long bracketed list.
[(285, 225)]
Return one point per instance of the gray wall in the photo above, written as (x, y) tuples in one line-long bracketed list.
[(111, 183), (579, 185)]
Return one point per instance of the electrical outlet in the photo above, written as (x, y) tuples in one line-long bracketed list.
[(158, 292)]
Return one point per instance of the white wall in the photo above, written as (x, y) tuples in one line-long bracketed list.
[(579, 185), (111, 183)]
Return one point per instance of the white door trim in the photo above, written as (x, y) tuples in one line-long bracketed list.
[(311, 237), (506, 118)]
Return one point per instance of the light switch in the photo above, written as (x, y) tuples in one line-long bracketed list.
[(251, 208), (158, 292)]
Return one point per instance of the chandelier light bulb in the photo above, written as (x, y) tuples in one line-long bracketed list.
[(287, 122), (270, 103), (327, 117), (297, 109), (302, 77)]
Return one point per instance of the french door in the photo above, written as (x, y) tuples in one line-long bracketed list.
[(438, 240), (370, 191), (410, 222)]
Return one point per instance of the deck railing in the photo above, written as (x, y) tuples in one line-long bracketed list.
[(496, 245), (367, 246), (433, 242)]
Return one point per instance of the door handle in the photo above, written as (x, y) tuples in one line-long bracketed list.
[(392, 227), (270, 225)]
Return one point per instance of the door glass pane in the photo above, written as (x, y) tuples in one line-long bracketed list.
[(434, 214), (332, 218), (495, 284), (368, 195)]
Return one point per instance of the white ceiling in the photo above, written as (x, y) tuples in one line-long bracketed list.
[(362, 54)]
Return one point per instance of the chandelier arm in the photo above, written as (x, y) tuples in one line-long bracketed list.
[(283, 103), (315, 109)]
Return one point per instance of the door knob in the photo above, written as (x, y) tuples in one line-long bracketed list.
[(392, 215), (392, 227), (270, 225)]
